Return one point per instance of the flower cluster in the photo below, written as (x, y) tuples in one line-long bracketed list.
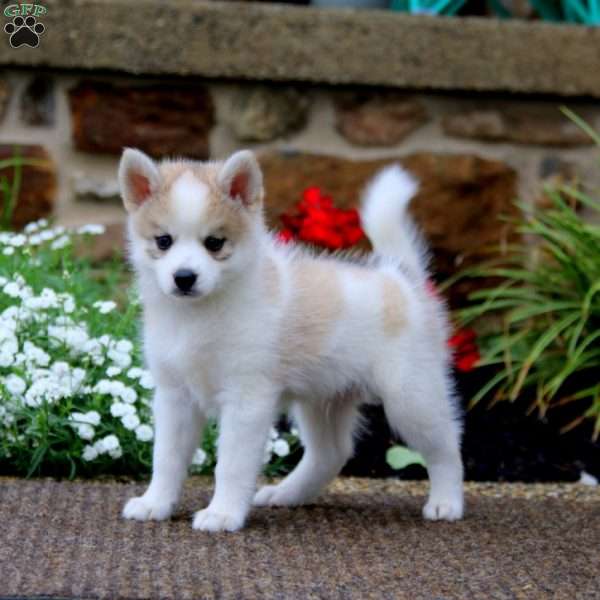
[(317, 221), (72, 389)]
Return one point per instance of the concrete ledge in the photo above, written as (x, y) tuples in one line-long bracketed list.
[(282, 42)]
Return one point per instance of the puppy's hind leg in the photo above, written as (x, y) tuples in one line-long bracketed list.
[(326, 432), (420, 408)]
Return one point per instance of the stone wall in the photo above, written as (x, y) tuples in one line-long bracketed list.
[(474, 154)]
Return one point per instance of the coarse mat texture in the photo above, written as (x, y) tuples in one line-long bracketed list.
[(364, 539)]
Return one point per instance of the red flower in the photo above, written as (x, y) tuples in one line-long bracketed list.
[(468, 362), (462, 338), (466, 353), (285, 236), (317, 221)]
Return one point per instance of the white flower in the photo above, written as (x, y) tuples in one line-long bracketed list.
[(47, 235), (128, 395), (8, 251), (105, 387), (18, 240), (91, 229), (105, 340), (90, 418), (107, 443), (31, 227), (113, 371), (14, 385), (45, 389), (146, 381), (115, 453), (89, 453), (68, 304), (124, 346), (35, 355), (135, 373), (105, 307), (19, 359), (74, 336), (86, 432), (6, 359), (12, 289), (116, 409), (120, 409), (9, 344), (281, 447), (78, 375), (60, 368), (130, 421), (94, 349), (144, 433), (60, 242), (121, 359), (199, 457)]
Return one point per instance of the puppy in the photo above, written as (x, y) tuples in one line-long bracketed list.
[(238, 326)]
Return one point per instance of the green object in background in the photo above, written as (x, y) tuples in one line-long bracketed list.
[(585, 12), (582, 11), (431, 7), (400, 457)]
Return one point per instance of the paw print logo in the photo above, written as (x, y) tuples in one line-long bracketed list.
[(24, 32)]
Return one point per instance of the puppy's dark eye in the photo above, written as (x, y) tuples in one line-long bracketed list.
[(214, 244), (164, 242)]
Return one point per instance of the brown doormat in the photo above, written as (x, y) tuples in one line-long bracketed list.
[(365, 539)]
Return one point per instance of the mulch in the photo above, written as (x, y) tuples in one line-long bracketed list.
[(364, 539)]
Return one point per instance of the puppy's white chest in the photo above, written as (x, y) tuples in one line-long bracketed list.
[(182, 355)]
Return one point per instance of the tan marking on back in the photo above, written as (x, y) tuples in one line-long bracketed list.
[(316, 302), (272, 281), (394, 307)]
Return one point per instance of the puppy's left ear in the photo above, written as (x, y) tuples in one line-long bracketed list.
[(241, 179)]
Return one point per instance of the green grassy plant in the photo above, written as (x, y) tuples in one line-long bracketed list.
[(545, 341)]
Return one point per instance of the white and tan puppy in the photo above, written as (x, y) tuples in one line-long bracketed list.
[(239, 327)]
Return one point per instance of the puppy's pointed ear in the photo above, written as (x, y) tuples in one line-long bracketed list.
[(139, 178), (241, 179)]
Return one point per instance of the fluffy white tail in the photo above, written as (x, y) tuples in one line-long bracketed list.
[(386, 222)]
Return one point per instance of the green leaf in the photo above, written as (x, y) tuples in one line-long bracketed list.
[(400, 457)]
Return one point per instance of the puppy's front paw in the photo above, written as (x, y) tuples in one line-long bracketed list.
[(443, 509), (147, 509), (212, 520), (277, 495)]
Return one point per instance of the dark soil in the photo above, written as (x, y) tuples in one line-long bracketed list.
[(501, 443)]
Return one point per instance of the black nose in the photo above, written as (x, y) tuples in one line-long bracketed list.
[(185, 279)]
